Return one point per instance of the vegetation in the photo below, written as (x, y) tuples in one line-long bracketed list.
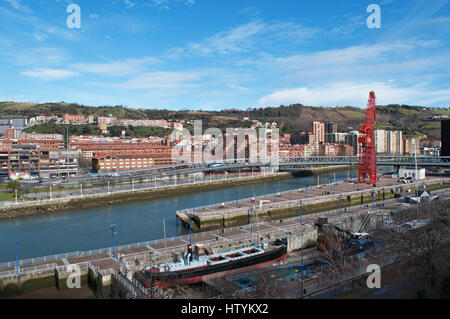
[(140, 131), (413, 120), (14, 185), (52, 128), (423, 253)]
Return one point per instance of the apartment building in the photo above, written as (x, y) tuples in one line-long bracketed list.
[(23, 161), (128, 161), (74, 119), (88, 150), (318, 129)]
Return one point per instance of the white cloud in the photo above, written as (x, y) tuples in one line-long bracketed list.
[(355, 94), (247, 37), (49, 74), (238, 87), (16, 4), (116, 68), (129, 4), (38, 57), (162, 80), (40, 36)]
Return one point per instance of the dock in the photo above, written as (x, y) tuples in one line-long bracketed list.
[(344, 194)]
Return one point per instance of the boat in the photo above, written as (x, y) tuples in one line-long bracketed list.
[(194, 267)]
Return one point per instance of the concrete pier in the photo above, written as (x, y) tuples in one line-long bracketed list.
[(345, 195), (104, 273)]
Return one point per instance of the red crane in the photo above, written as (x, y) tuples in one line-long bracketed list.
[(368, 158)]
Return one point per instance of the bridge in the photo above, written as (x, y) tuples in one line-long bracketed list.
[(284, 164)]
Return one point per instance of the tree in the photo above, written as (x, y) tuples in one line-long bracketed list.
[(335, 253), (14, 185), (421, 245)]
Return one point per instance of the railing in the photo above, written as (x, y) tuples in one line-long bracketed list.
[(185, 238), (61, 196), (295, 202)]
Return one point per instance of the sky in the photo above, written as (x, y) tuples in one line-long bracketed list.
[(214, 55)]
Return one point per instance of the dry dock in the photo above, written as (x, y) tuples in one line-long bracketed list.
[(312, 199)]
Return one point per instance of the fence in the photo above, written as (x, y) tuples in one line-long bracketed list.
[(296, 202), (104, 190), (160, 241), (30, 261)]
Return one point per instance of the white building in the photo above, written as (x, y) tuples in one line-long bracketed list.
[(411, 173), (380, 141)]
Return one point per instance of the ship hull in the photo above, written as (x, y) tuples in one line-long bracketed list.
[(197, 275)]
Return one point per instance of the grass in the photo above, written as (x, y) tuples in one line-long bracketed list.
[(353, 114), (6, 196)]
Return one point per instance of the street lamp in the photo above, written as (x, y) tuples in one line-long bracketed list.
[(237, 199), (373, 199), (190, 230), (340, 205), (301, 203), (306, 191), (252, 210), (417, 186), (113, 230), (16, 244), (274, 194), (67, 152)]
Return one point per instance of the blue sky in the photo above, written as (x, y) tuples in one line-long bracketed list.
[(212, 55)]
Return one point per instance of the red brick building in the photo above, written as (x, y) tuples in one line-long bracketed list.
[(74, 119), (128, 161)]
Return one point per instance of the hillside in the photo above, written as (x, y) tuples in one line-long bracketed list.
[(413, 120)]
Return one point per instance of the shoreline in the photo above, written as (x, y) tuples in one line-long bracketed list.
[(58, 205), (91, 201)]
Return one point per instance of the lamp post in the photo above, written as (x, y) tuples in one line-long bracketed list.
[(16, 195), (417, 186), (190, 230), (306, 191), (373, 200), (16, 244), (113, 230), (237, 199), (301, 203), (67, 152), (274, 194), (252, 210), (340, 205)]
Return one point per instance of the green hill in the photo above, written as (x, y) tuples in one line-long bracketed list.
[(413, 120)]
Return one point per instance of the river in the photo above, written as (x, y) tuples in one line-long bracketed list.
[(86, 229)]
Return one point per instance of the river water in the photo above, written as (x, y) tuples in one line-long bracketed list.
[(86, 229)]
